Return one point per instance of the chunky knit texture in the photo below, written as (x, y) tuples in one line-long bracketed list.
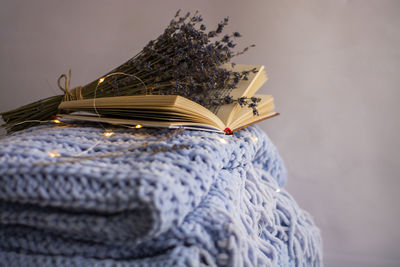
[(217, 201)]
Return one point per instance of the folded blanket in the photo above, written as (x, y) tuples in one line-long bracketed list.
[(197, 198)]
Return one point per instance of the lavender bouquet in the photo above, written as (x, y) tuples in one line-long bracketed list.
[(184, 60)]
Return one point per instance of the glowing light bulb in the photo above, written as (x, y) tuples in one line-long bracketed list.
[(54, 154), (254, 139), (138, 126), (222, 140), (101, 80), (56, 121), (108, 134), (278, 190)]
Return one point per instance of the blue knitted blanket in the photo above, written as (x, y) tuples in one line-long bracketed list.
[(195, 199)]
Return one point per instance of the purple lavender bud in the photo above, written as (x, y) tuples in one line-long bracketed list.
[(237, 34), (212, 34)]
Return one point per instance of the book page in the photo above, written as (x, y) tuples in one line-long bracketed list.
[(244, 88), (155, 107), (245, 115), (144, 122)]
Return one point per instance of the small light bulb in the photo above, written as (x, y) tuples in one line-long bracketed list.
[(108, 134), (138, 126), (222, 140), (54, 154), (101, 80), (254, 139), (56, 121), (278, 190)]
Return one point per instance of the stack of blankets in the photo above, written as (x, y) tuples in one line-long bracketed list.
[(191, 199)]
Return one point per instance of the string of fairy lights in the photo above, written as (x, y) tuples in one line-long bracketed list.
[(125, 151), (108, 133)]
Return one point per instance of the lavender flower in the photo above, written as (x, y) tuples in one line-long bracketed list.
[(184, 60)]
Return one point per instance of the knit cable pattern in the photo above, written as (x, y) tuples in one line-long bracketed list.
[(213, 201)]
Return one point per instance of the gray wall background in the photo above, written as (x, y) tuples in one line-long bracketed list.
[(334, 72)]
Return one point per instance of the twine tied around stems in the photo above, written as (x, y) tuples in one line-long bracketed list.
[(69, 95)]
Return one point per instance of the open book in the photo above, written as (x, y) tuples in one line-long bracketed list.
[(174, 111)]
